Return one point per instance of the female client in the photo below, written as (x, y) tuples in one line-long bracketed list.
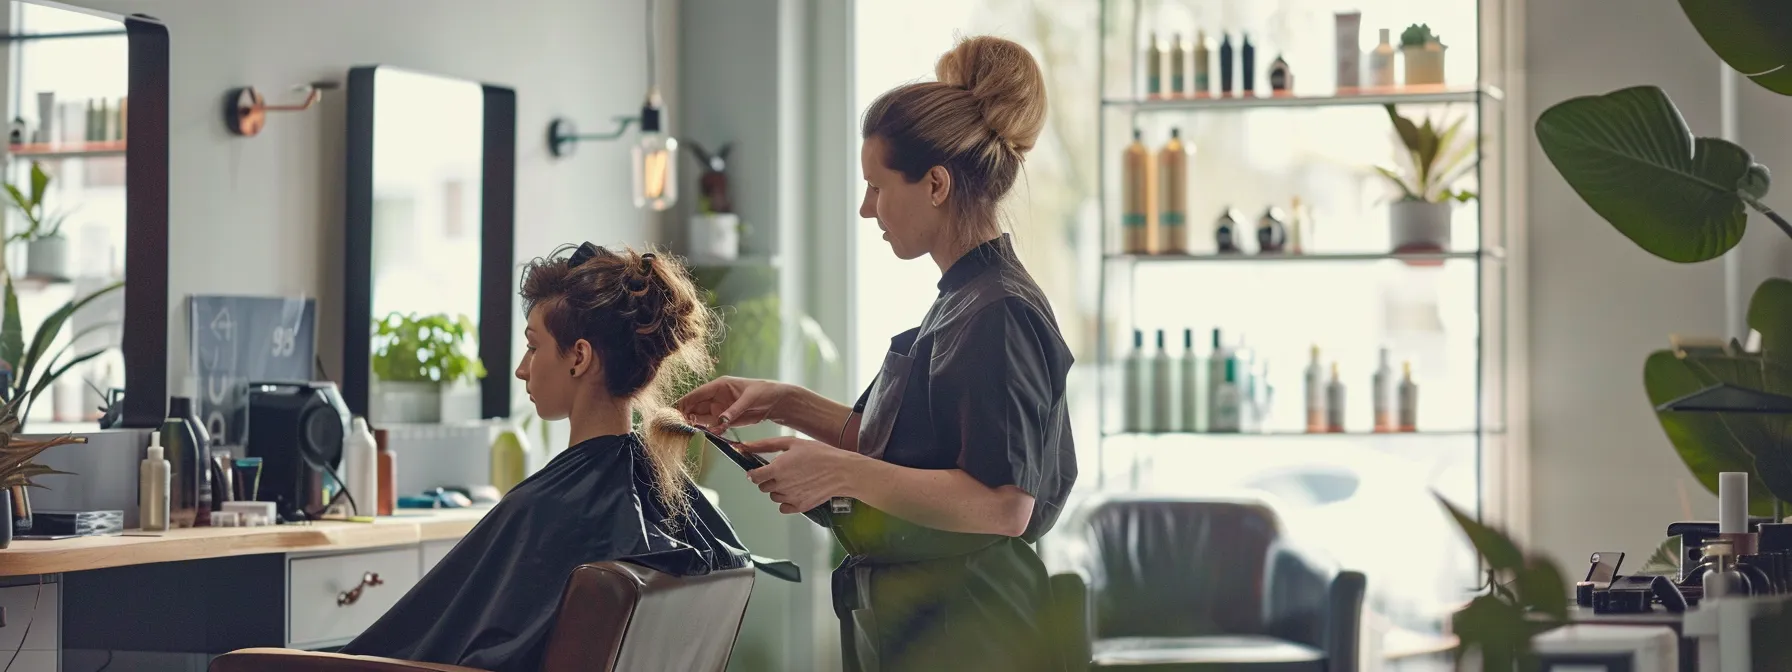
[(607, 331)]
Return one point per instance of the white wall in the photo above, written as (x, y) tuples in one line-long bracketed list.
[(1603, 476), (264, 215)]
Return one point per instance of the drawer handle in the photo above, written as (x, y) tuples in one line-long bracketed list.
[(353, 595)]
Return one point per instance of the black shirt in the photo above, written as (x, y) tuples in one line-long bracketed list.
[(982, 386)]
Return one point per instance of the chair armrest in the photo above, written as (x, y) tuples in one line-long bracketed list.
[(1070, 621), (1344, 621), (289, 660)]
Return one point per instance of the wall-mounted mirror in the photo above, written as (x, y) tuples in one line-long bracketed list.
[(86, 217), (431, 190)]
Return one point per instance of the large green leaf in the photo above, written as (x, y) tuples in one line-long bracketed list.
[(1752, 36), (47, 332), (1702, 440), (12, 338), (1632, 158), (1770, 312), (1499, 550)]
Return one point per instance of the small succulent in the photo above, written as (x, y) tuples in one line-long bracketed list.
[(1418, 35), (16, 467)]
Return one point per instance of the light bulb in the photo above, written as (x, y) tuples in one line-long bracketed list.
[(655, 160)]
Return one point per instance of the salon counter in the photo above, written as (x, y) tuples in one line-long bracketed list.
[(409, 527)]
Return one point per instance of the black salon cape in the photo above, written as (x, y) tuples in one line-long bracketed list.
[(490, 602)]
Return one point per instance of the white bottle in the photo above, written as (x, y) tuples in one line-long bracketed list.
[(1334, 402), (1381, 394), (1228, 401), (1217, 378), (1408, 400), (1135, 380), (1162, 389), (361, 461), (1192, 420), (1315, 394), (1381, 63), (152, 488)]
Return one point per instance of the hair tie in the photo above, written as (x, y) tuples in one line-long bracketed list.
[(585, 253)]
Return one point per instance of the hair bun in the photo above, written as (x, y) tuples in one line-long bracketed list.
[(1005, 80)]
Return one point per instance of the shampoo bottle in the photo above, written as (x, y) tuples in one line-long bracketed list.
[(1172, 213), (1247, 65), (1162, 388), (1216, 378), (1281, 79), (1381, 394), (1409, 400), (360, 458), (1334, 403), (1202, 67), (188, 449), (152, 488), (1135, 174), (1225, 65), (1225, 234), (388, 473), (1228, 401), (1133, 385), (1191, 420), (1154, 68), (1315, 389), (510, 459), (1381, 63), (1178, 66)]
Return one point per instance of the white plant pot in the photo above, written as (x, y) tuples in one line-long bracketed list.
[(715, 236), (47, 258), (405, 402), (1424, 65), (1418, 226)]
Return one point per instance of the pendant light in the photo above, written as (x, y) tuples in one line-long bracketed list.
[(654, 159)]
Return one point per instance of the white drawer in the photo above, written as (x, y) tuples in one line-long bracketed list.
[(315, 584), (17, 601)]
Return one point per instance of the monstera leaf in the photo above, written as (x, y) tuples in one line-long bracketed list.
[(1631, 157), (1752, 36), (1705, 441)]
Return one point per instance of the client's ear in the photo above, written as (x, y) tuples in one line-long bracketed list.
[(584, 358)]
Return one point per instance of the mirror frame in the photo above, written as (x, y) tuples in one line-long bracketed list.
[(497, 244), (145, 344)]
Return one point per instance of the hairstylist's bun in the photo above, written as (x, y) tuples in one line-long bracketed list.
[(1005, 81)]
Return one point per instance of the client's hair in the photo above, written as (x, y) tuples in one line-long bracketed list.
[(644, 317)]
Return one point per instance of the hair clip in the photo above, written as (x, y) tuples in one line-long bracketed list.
[(647, 263), (585, 252)]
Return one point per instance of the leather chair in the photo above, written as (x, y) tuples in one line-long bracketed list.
[(1201, 584), (614, 616)]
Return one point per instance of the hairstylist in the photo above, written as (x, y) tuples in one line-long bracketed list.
[(963, 440)]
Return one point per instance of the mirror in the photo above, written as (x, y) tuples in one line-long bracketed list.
[(431, 181), (88, 115)]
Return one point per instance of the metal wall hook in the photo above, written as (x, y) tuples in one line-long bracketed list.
[(563, 135), (245, 111)]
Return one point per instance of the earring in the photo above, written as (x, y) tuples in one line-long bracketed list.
[(572, 372)]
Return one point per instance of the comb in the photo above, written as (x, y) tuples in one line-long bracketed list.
[(746, 461)]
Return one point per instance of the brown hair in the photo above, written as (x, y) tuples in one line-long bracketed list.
[(643, 315), (978, 121)]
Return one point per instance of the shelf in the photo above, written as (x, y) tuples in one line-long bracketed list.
[(1415, 257), (1432, 433), (1417, 95), (68, 150)]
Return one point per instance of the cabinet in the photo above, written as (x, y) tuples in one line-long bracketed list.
[(1365, 497)]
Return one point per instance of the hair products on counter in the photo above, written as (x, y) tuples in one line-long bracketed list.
[(1349, 63), (1334, 402), (1178, 66), (361, 461), (1409, 400), (1381, 393), (188, 449), (1135, 207), (1315, 389), (1172, 212), (1133, 388), (388, 466), (1225, 64), (152, 488), (1202, 86), (1272, 233), (1225, 234), (1193, 418), (1247, 65), (1281, 79), (1381, 63), (1163, 406), (1154, 68)]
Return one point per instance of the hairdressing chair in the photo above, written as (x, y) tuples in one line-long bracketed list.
[(614, 616), (1201, 584)]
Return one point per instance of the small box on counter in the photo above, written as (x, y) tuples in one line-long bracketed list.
[(77, 523)]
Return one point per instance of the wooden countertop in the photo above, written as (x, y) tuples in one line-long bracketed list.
[(27, 556)]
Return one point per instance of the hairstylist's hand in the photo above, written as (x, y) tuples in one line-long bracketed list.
[(732, 402), (806, 475)]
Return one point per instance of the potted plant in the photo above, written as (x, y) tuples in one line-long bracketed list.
[(413, 358), (1631, 157), (1423, 54), (17, 471), (1526, 594), (715, 229), (1431, 162), (46, 250)]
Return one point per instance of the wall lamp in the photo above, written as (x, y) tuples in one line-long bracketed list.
[(245, 111), (654, 159)]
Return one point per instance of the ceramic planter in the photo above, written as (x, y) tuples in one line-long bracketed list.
[(1418, 226), (715, 236), (406, 402), (47, 258), (1424, 65)]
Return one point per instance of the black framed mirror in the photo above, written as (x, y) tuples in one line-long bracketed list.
[(430, 243), (88, 141)]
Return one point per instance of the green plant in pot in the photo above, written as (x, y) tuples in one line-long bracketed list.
[(414, 356), (17, 470), (1423, 54), (1432, 160), (46, 250)]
